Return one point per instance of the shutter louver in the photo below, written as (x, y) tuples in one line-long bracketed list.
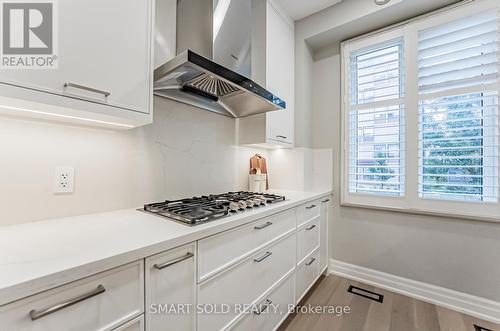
[(376, 120), (458, 110)]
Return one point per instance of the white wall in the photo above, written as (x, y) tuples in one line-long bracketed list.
[(457, 254), (301, 169), (185, 152)]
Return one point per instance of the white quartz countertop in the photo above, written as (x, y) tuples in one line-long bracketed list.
[(41, 255)]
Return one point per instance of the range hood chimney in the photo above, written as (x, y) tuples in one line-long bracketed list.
[(193, 77)]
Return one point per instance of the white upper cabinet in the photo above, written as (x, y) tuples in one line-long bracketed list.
[(279, 75), (273, 68), (104, 69)]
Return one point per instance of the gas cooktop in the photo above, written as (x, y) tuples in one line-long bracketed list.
[(198, 210)]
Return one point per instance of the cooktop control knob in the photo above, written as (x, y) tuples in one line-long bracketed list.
[(233, 206), (257, 201), (249, 203), (242, 204)]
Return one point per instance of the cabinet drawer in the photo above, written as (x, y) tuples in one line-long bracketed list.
[(219, 251), (100, 302), (281, 299), (137, 324), (171, 279), (307, 212), (306, 274), (278, 302), (307, 239), (245, 282)]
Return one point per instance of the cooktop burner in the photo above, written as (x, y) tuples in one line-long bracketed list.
[(202, 209)]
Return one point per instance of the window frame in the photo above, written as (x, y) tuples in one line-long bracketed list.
[(410, 202)]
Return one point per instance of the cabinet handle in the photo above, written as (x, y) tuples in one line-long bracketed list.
[(310, 207), (311, 227), (36, 314), (260, 227), (326, 200), (86, 88), (280, 136), (263, 257), (169, 263), (310, 261), (263, 307)]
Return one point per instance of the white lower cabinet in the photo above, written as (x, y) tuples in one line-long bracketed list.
[(271, 309), (221, 250), (100, 302), (137, 324), (307, 273), (252, 287), (307, 239), (244, 282), (171, 290), (324, 215)]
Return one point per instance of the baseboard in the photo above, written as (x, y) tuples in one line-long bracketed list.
[(465, 303)]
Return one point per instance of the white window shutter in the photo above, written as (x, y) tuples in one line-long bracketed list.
[(458, 109), (376, 120)]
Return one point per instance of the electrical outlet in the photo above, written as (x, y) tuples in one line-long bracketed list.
[(64, 180)]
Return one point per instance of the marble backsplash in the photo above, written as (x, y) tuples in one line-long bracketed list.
[(185, 152)]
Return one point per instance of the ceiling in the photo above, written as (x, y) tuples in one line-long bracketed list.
[(298, 9), (327, 42)]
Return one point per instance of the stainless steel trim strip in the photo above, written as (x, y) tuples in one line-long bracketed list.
[(36, 314), (169, 263), (86, 88)]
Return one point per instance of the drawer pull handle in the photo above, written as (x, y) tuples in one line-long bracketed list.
[(310, 261), (263, 307), (310, 207), (311, 227), (326, 200), (86, 88), (263, 257), (280, 136), (169, 263), (36, 314), (260, 227)]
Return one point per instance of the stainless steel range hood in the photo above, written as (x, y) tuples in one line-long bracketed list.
[(192, 77)]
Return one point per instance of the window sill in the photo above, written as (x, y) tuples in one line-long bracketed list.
[(411, 211)]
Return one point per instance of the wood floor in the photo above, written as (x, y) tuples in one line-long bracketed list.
[(395, 313)]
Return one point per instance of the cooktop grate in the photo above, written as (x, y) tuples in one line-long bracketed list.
[(198, 210)]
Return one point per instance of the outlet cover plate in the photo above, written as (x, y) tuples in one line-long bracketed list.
[(64, 180)]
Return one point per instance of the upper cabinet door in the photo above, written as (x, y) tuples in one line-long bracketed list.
[(280, 74), (103, 52)]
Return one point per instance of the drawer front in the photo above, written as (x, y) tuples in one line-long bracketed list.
[(278, 303), (100, 302), (307, 212), (280, 300), (171, 279), (307, 239), (306, 274), (218, 251), (137, 324), (244, 282)]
